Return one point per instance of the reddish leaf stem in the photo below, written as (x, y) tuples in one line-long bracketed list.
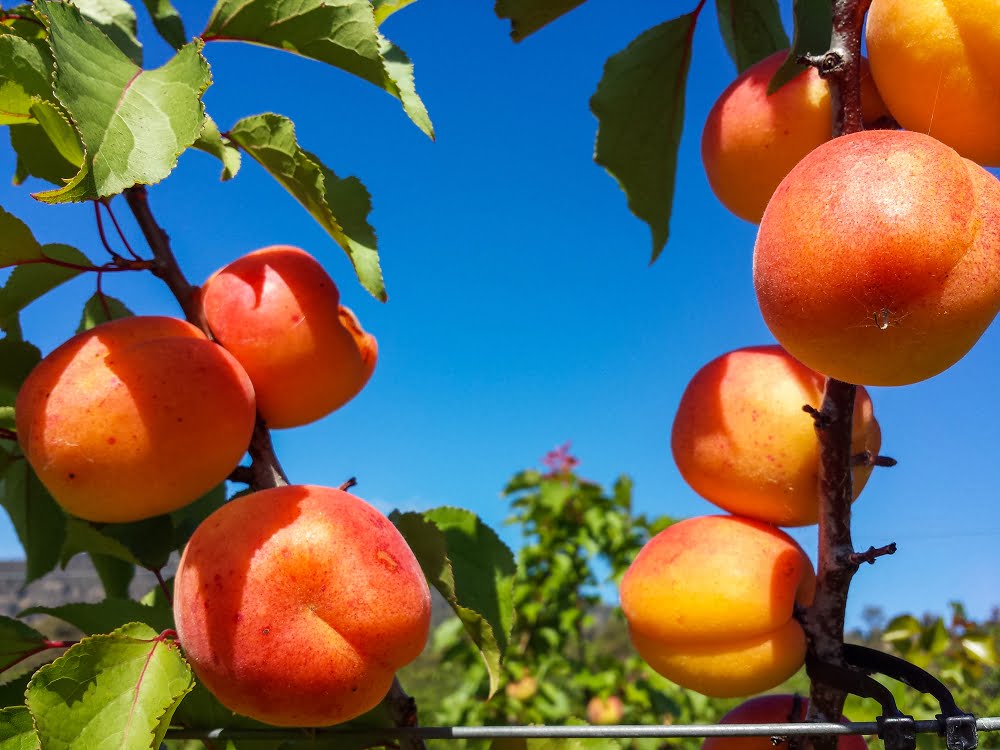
[(46, 645), (121, 264), (121, 235), (8, 434), (100, 231), (158, 574)]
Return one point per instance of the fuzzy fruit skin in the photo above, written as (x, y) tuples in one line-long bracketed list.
[(134, 418), (878, 258), (709, 604), (771, 709), (936, 63), (742, 441), (296, 605), (279, 313), (752, 140)]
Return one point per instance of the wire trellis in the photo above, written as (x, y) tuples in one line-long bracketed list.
[(583, 731)]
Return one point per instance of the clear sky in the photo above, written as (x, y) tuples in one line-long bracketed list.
[(523, 311)]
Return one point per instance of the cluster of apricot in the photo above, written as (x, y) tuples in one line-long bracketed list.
[(294, 605)]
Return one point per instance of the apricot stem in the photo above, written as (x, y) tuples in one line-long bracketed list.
[(351, 482)]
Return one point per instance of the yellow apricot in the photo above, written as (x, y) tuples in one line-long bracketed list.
[(742, 441), (878, 258), (134, 418), (279, 313), (296, 605), (936, 64), (709, 604), (752, 140)]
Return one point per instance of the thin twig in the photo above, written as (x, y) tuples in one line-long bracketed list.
[(870, 458), (872, 553), (100, 231), (118, 228)]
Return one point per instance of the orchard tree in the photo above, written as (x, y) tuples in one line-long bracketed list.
[(294, 605)]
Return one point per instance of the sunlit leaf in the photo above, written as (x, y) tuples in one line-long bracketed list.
[(101, 308), (342, 34), (639, 104), (211, 141), (25, 77), (751, 30), (341, 206), (901, 628), (528, 16), (981, 647), (133, 123), (167, 21), (385, 8), (17, 730)]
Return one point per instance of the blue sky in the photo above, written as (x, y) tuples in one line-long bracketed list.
[(523, 311)]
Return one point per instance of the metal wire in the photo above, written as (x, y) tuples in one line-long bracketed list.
[(583, 731)]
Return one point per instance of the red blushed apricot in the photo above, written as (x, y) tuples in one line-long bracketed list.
[(709, 604), (752, 140), (134, 418), (742, 441), (279, 313), (771, 709), (296, 605), (878, 258)]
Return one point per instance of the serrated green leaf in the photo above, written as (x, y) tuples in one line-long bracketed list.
[(50, 149), (28, 282), (211, 141), (110, 692), (116, 18), (25, 77), (133, 123), (528, 16), (813, 28), (17, 730), (17, 640), (344, 35), (468, 564), (83, 536), (101, 308), (981, 647), (639, 105), (21, 20), (167, 21), (751, 30), (17, 243), (39, 522), (341, 206), (107, 615), (385, 8)]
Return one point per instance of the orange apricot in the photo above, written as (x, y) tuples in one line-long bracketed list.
[(279, 313), (709, 604), (134, 418), (752, 140), (605, 711), (878, 258), (742, 441), (935, 62), (296, 605), (771, 709)]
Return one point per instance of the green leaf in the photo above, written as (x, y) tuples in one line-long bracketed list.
[(17, 243), (751, 30), (980, 647), (341, 206), (528, 16), (935, 638), (25, 77), (133, 123), (101, 308), (116, 18), (107, 615), (17, 730), (211, 141), (385, 8), (17, 359), (344, 35), (474, 571), (29, 282), (17, 640), (49, 150), (167, 21), (110, 692), (39, 522), (187, 519), (202, 710), (813, 28), (639, 104), (901, 628), (60, 132), (116, 575), (83, 536)]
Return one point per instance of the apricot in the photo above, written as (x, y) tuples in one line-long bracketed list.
[(752, 140), (709, 604), (296, 605), (878, 258), (605, 711), (279, 313), (935, 63), (742, 441), (771, 709), (134, 418)]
